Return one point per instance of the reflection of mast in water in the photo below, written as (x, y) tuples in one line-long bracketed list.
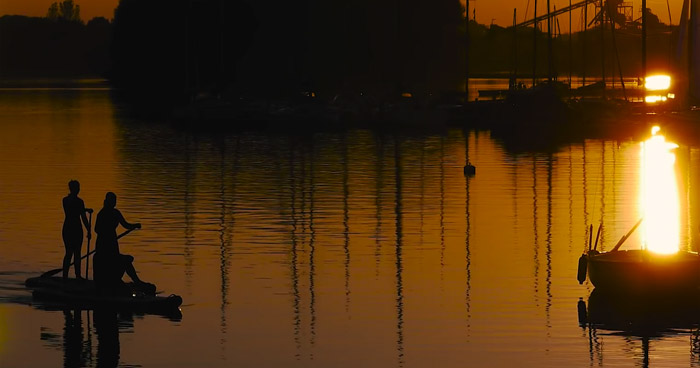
[(226, 232), (595, 348), (695, 347), (295, 270), (645, 349), (189, 201), (422, 193), (549, 241), (467, 234), (536, 255), (312, 249), (399, 240), (514, 192), (223, 254), (442, 211), (378, 202), (346, 225)]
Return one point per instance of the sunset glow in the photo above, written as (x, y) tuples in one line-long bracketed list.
[(657, 82), (659, 195), (654, 99)]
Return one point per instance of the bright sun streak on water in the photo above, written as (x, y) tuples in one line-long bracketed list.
[(659, 195)]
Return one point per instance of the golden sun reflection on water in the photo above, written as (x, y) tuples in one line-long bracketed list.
[(659, 195)]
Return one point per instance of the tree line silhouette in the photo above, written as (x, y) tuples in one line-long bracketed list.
[(281, 48), (32, 47), (168, 52)]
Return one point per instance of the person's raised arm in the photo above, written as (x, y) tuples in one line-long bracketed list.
[(126, 224)]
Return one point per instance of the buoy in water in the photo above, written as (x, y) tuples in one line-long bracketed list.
[(469, 169), (582, 268)]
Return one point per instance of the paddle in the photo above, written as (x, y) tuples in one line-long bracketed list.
[(57, 270), (87, 261), (622, 240)]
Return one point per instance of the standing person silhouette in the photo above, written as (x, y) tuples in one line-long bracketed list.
[(74, 209), (110, 264)]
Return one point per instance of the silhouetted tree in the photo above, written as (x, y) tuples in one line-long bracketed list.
[(33, 47), (65, 10), (167, 52)]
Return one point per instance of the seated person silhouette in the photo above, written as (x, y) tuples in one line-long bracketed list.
[(72, 232), (110, 264)]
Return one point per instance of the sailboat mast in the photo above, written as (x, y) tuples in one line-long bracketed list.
[(549, 43), (602, 43), (682, 49), (584, 56), (571, 52), (694, 52), (515, 49), (644, 40), (466, 59), (534, 46)]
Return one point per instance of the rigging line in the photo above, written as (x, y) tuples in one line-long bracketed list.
[(526, 10)]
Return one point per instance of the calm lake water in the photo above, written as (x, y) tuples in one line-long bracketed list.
[(324, 250)]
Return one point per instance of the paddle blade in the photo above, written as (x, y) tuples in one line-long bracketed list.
[(51, 272)]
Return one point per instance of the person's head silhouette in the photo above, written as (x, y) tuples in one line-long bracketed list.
[(74, 187), (110, 200)]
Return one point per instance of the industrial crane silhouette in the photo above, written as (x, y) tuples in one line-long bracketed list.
[(611, 8)]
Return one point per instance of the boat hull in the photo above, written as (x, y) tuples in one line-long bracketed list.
[(83, 294), (640, 271)]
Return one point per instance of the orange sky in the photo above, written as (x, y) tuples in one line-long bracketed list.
[(500, 11), (37, 8)]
